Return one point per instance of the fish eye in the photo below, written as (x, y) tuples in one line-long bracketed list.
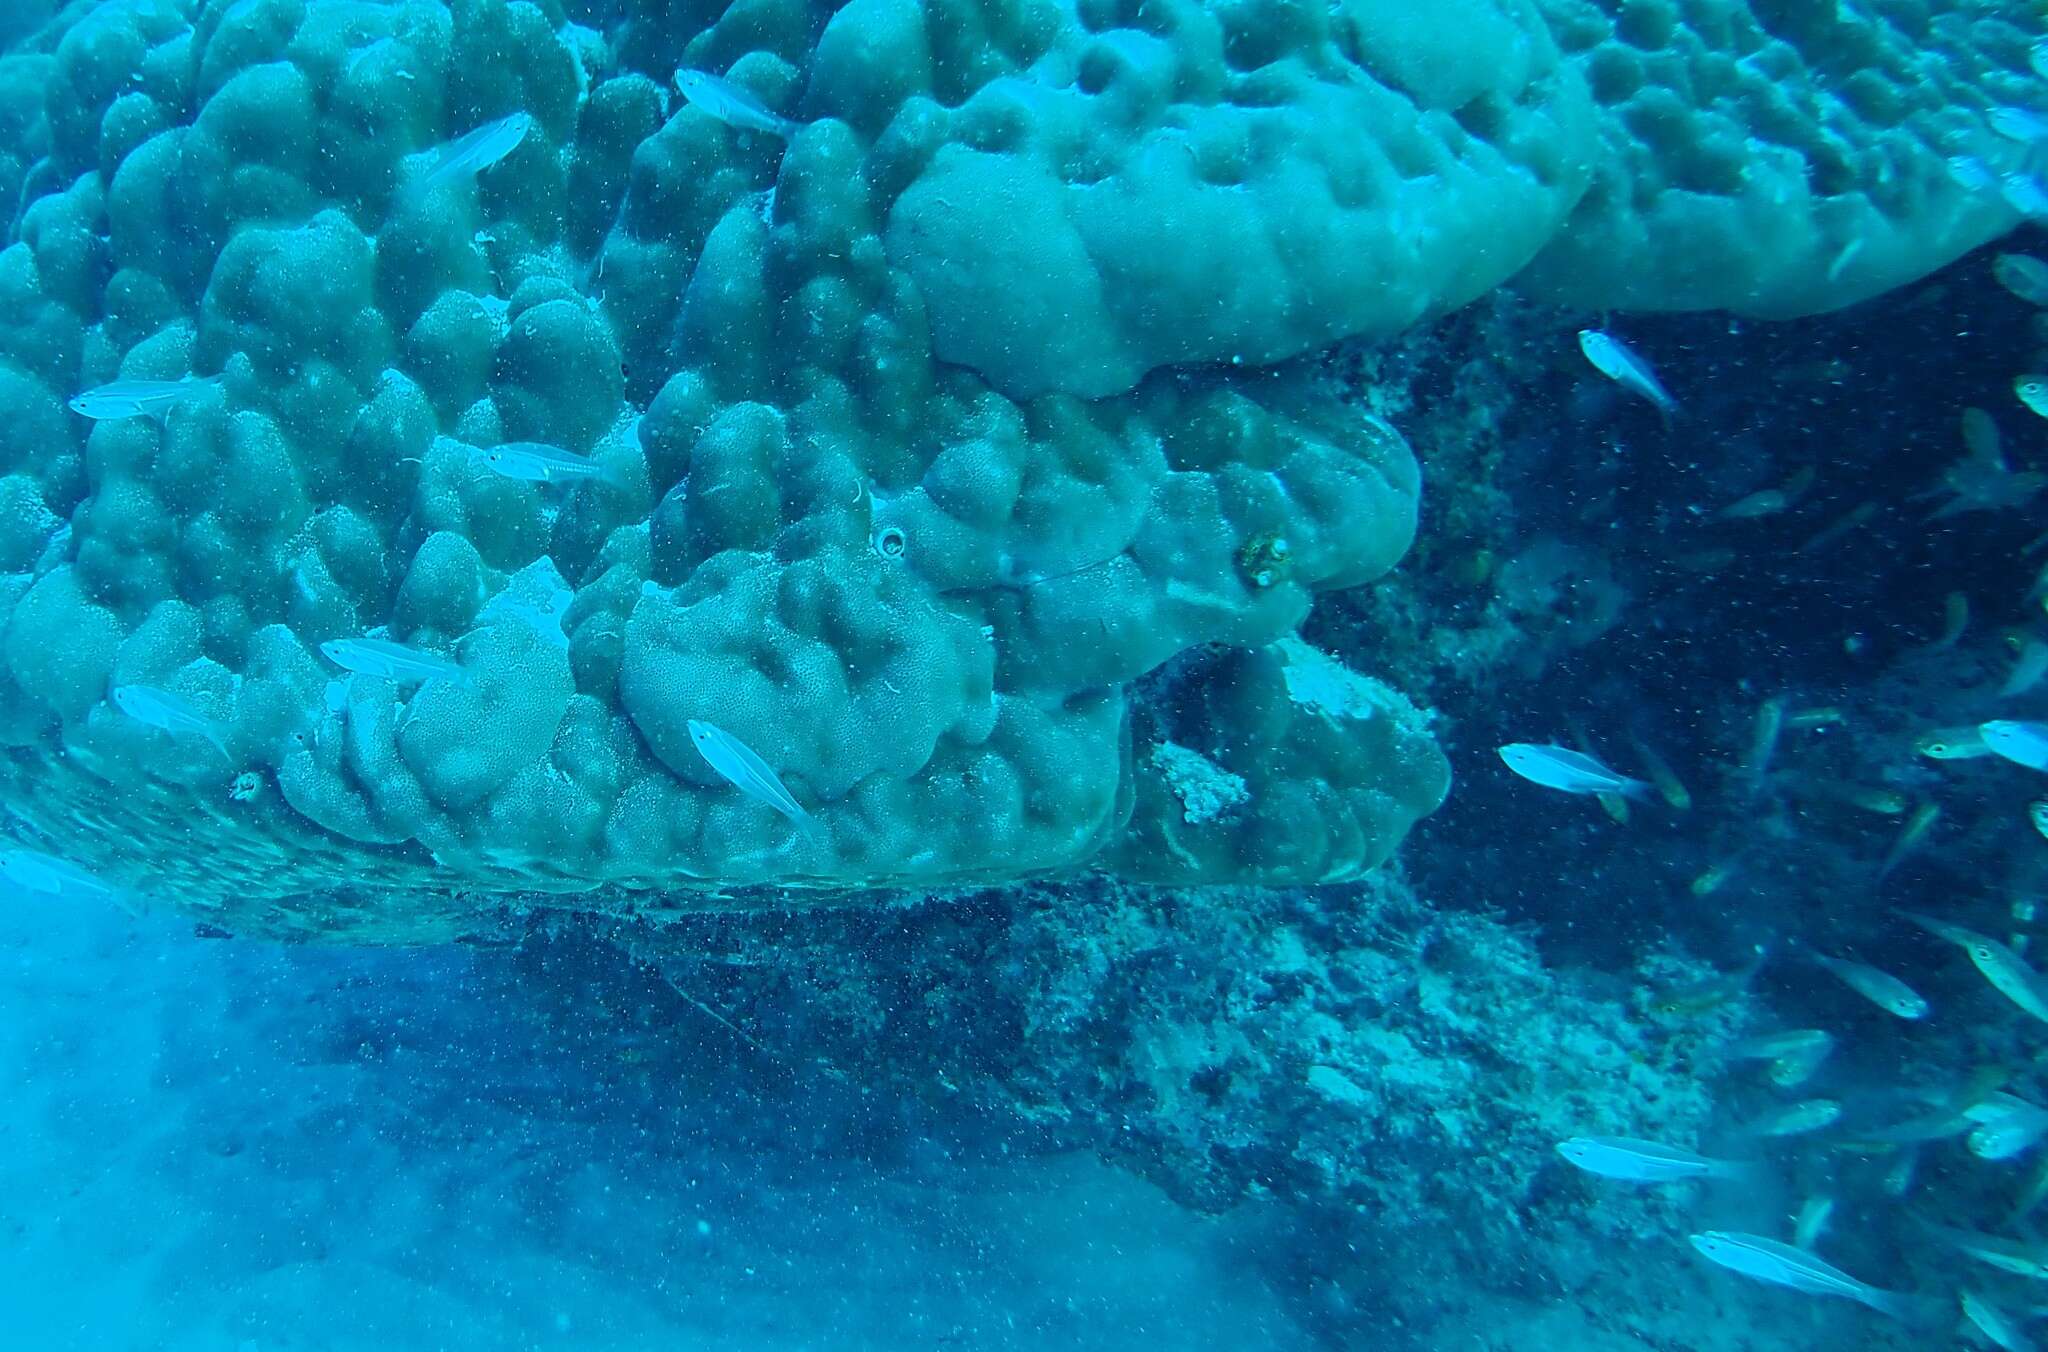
[(1979, 951)]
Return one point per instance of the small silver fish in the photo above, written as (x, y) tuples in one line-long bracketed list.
[(168, 712), (2032, 390), (1882, 989), (1939, 1125), (1798, 1119), (2007, 972), (392, 661), (2001, 1328), (1910, 835), (2018, 124), (732, 105), (1767, 1260), (2008, 1126), (2037, 56), (2007, 1255), (1556, 767), (1790, 1072), (2024, 275), (1959, 743), (469, 155), (537, 462), (2027, 669), (2024, 193), (1905, 1168), (1634, 1161), (1971, 174), (2037, 813), (1763, 742), (1669, 787), (745, 771), (1812, 1221), (138, 398), (1763, 502), (1612, 358), (47, 875), (2021, 743), (1790, 1042)]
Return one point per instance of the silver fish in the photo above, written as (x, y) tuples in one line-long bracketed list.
[(1791, 1042), (1972, 174), (536, 462), (1612, 358), (2027, 669), (2008, 1126), (2007, 972), (1635, 1161), (138, 398), (732, 105), (2018, 124), (744, 770), (469, 155), (1556, 767), (1905, 1168), (2031, 390), (171, 713), (2018, 1257), (1910, 835), (392, 661), (2002, 1329), (2037, 56), (2021, 743), (1798, 1119), (1767, 1260), (2024, 275), (2024, 193), (47, 875), (1812, 1221), (1882, 989)]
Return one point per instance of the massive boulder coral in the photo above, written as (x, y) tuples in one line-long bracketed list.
[(926, 603), (955, 454), (1783, 159)]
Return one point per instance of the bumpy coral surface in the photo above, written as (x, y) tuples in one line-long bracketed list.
[(1781, 159), (921, 601), (941, 444)]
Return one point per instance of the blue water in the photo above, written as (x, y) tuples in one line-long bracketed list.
[(491, 1002), (213, 1144)]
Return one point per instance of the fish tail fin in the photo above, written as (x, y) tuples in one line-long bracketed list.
[(1639, 789), (1747, 1173), (1908, 1307), (212, 733)]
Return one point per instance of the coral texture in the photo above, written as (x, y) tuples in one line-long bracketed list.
[(946, 452)]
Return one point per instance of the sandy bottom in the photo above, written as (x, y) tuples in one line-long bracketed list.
[(215, 1144)]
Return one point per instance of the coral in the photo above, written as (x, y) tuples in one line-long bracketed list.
[(919, 465), (923, 597), (1781, 159)]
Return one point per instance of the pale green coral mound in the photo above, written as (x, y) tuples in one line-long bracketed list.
[(923, 601), (1178, 182), (1783, 159)]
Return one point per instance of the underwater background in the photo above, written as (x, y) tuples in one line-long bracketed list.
[(996, 673)]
